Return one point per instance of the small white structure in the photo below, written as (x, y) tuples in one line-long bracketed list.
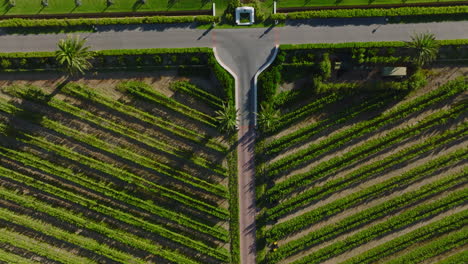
[(245, 11)]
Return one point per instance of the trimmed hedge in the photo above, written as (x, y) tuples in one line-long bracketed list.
[(27, 23), (374, 12)]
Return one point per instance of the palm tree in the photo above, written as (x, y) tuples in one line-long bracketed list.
[(268, 116), (73, 55), (227, 117), (425, 48)]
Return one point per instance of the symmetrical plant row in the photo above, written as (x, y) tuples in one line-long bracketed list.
[(298, 114), (400, 221), (97, 226), (85, 181), (125, 131), (308, 131), (366, 216), (188, 88), (357, 176), (125, 175), (362, 128), (9, 257), (282, 189), (182, 132), (125, 154), (144, 91)]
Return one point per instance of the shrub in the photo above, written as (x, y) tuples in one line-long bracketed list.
[(268, 83), (157, 59), (195, 60), (11, 3)]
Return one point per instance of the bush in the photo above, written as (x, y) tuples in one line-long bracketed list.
[(157, 59)]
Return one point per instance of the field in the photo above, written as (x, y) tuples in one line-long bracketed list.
[(118, 167), (97, 6), (357, 168)]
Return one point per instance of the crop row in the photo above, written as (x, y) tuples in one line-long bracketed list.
[(366, 171), (338, 139), (133, 134), (193, 90), (437, 247), (398, 222), (450, 223), (182, 132), (371, 214), (306, 110), (308, 131), (377, 190), (53, 231), (9, 257), (67, 174), (143, 91), (125, 154), (99, 227), (157, 229), (284, 188), (129, 177), (41, 248)]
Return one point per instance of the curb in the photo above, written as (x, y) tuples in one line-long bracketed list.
[(264, 66), (236, 82)]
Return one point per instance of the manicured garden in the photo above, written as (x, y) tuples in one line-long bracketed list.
[(125, 164), (356, 167), (304, 3)]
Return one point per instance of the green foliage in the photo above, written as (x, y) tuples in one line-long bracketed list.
[(268, 116), (227, 118), (74, 22), (372, 12), (268, 82), (5, 63), (425, 48), (325, 66), (225, 79), (193, 90), (73, 55)]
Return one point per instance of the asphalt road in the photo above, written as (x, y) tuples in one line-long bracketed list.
[(244, 51)]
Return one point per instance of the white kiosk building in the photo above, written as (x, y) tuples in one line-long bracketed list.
[(242, 12)]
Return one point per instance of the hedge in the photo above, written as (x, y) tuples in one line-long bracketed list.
[(26, 23), (374, 12), (364, 44)]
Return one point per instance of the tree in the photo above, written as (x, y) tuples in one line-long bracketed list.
[(425, 48), (268, 116), (227, 117), (73, 55)]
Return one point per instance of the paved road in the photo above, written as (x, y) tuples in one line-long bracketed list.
[(244, 51)]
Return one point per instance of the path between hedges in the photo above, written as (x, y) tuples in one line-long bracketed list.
[(244, 51)]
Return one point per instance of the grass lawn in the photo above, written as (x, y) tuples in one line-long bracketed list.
[(95, 6), (299, 3)]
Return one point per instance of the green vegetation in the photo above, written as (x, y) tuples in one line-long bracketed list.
[(302, 3), (100, 6), (73, 55), (358, 168), (124, 174)]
